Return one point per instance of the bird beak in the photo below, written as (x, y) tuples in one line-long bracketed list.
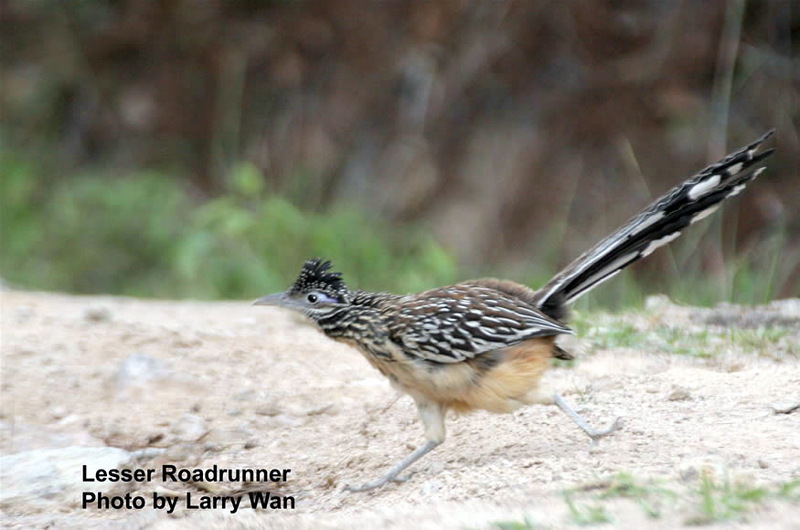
[(278, 299)]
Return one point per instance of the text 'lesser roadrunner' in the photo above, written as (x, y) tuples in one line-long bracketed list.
[(484, 344)]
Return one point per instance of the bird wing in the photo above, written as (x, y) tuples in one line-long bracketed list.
[(452, 324)]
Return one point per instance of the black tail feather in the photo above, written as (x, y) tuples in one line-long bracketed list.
[(655, 226)]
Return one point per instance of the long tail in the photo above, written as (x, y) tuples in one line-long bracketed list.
[(655, 226)]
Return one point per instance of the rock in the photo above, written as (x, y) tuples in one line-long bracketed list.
[(24, 314), (189, 428), (20, 436), (97, 314), (679, 394), (137, 370), (430, 487), (270, 409), (58, 412), (245, 395), (657, 303), (219, 439), (148, 453), (325, 409), (786, 408), (51, 479), (180, 452), (711, 466)]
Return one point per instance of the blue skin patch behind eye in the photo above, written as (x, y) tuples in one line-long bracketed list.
[(324, 298)]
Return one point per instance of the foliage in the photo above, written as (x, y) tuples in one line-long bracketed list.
[(143, 235)]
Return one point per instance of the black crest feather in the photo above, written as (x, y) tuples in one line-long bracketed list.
[(315, 277)]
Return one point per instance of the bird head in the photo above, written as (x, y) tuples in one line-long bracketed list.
[(316, 291)]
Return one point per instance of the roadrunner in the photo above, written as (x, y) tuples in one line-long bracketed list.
[(484, 344)]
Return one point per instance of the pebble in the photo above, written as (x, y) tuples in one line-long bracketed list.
[(325, 409), (189, 427), (137, 370), (430, 487), (679, 394), (21, 436), (180, 452), (269, 409), (24, 314), (245, 395), (220, 439), (97, 314)]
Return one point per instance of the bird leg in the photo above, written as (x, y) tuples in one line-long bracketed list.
[(392, 475), (432, 416), (580, 422)]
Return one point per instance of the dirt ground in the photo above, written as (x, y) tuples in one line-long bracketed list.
[(198, 384)]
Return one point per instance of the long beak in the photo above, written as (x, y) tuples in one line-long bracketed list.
[(278, 299)]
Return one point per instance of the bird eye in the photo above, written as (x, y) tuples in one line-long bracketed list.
[(312, 298)]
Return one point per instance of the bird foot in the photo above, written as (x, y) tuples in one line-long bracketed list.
[(378, 483), (595, 435), (580, 422)]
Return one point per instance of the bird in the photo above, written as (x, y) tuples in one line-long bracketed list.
[(484, 344)]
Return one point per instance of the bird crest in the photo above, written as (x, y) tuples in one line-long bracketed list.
[(315, 276)]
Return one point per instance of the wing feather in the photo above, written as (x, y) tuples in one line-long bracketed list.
[(452, 324)]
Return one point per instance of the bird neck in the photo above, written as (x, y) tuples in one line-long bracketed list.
[(363, 315)]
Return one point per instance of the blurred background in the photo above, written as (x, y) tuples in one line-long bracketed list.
[(205, 148)]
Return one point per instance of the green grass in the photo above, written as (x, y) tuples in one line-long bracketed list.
[(649, 495), (725, 501), (526, 524), (789, 491), (586, 513), (609, 332), (703, 502), (763, 339)]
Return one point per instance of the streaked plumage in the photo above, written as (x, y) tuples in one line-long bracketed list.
[(483, 344)]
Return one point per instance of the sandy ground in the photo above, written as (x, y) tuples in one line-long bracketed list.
[(202, 384)]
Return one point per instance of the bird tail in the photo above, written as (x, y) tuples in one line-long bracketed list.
[(655, 226)]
